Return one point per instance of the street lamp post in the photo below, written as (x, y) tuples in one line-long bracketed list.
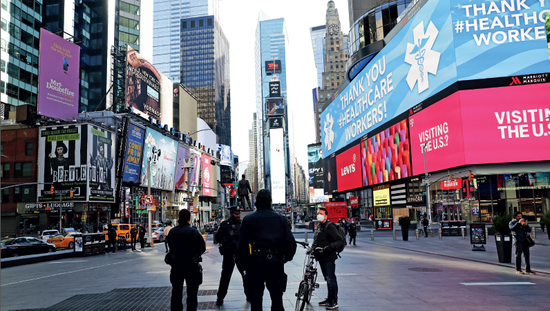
[(149, 212)]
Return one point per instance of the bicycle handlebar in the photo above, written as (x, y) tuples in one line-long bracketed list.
[(304, 244)]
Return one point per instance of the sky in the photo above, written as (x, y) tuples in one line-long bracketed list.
[(239, 20)]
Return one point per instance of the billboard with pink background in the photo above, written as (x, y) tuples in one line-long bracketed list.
[(492, 125), (438, 130), (59, 77)]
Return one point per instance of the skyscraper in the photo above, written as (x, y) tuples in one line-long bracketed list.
[(205, 71), (318, 44), (167, 18), (270, 58)]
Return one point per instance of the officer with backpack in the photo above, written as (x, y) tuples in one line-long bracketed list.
[(327, 241)]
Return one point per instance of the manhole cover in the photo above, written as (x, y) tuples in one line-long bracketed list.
[(425, 269)]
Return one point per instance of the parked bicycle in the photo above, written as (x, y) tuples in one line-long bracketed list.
[(308, 283)]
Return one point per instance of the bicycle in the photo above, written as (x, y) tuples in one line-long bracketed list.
[(431, 232), (308, 283)]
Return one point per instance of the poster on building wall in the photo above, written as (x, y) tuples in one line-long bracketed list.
[(315, 166), (59, 77), (160, 151), (133, 154), (206, 175), (226, 156), (330, 178), (277, 157), (181, 172), (386, 156), (101, 159), (195, 170), (348, 168), (63, 163), (143, 85)]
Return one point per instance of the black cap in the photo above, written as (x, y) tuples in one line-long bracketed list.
[(235, 209)]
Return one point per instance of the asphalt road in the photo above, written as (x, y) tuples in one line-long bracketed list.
[(384, 274)]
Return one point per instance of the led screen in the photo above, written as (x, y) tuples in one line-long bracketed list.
[(277, 155), (348, 169), (162, 153), (315, 166), (134, 153)]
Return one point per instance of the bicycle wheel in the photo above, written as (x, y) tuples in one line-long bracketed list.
[(311, 286), (301, 296), (432, 232)]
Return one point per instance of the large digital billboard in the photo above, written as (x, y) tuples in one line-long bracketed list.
[(315, 166), (437, 47), (133, 154), (63, 159), (195, 170), (386, 156), (274, 106), (162, 153), (277, 157), (272, 66), (143, 85), (348, 169), (181, 172), (226, 156), (206, 175), (483, 126), (59, 77), (330, 179), (101, 174)]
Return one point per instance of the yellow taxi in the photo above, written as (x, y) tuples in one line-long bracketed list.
[(63, 241)]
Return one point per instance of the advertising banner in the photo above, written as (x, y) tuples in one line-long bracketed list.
[(134, 154), (438, 130), (195, 170), (275, 89), (226, 157), (315, 166), (101, 176), (386, 156), (381, 195), (63, 161), (206, 175), (438, 46), (59, 77), (274, 106), (161, 151), (275, 122), (349, 169), (499, 38), (181, 173), (354, 201), (277, 156), (512, 124), (330, 178), (142, 85), (451, 185), (272, 67)]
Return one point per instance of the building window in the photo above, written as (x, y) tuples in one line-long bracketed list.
[(23, 169), (201, 23), (209, 22), (5, 195), (29, 148), (184, 25), (5, 170), (192, 24)]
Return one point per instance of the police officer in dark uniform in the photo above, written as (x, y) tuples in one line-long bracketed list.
[(133, 236), (227, 237), (111, 234), (265, 245), (142, 236), (186, 246)]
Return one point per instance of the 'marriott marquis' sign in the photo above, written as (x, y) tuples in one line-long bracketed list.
[(437, 47)]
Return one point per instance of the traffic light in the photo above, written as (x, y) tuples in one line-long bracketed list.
[(452, 177), (51, 190), (71, 194), (471, 176)]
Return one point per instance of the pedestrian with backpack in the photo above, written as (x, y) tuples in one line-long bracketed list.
[(327, 241)]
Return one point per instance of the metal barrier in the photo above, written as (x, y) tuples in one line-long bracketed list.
[(462, 229), (417, 233)]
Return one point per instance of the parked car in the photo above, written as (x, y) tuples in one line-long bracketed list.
[(158, 235), (211, 227), (26, 246), (68, 230), (46, 234), (63, 240)]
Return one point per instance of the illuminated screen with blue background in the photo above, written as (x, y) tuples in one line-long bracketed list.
[(432, 51)]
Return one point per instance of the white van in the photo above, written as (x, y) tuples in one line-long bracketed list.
[(47, 233)]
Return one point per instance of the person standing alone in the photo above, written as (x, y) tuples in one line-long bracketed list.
[(166, 232), (244, 190), (425, 224), (326, 241), (352, 230), (133, 236), (186, 247), (228, 236), (520, 229), (142, 236)]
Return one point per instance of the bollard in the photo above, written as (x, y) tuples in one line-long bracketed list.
[(462, 229), (486, 233), (394, 233), (440, 233), (417, 234), (534, 233), (305, 237), (372, 235)]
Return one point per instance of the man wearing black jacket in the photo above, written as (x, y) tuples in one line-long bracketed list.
[(243, 191), (520, 230), (228, 236), (186, 245), (326, 241), (265, 245)]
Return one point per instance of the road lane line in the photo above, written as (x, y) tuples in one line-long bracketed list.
[(68, 272), (498, 283)]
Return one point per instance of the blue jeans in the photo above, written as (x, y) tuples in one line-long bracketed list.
[(329, 272)]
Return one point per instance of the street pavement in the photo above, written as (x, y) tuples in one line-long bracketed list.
[(384, 274)]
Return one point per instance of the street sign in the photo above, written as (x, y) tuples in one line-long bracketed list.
[(189, 200)]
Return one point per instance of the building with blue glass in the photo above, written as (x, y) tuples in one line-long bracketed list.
[(205, 72)]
